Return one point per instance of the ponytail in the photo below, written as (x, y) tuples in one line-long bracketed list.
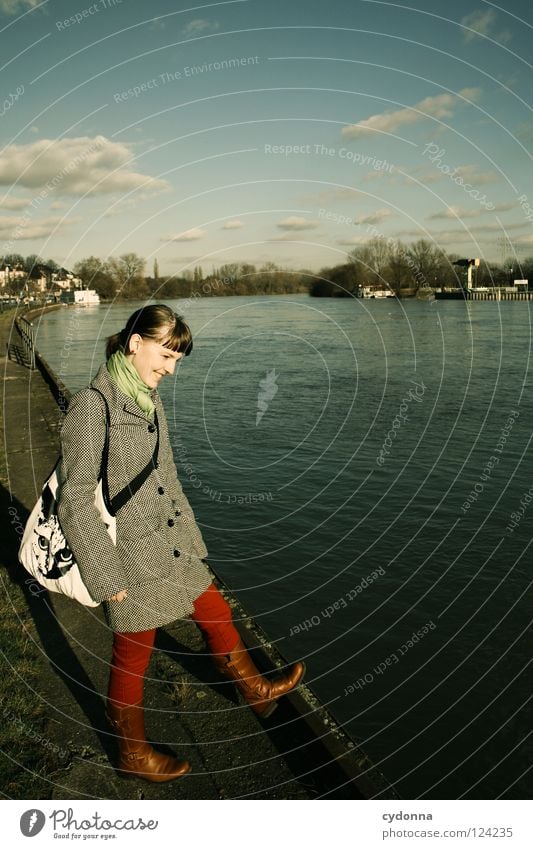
[(115, 343)]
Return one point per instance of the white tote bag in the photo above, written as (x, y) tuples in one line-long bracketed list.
[(44, 551)]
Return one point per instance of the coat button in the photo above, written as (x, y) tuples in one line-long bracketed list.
[(176, 552), (160, 490), (170, 523), (177, 512), (151, 428)]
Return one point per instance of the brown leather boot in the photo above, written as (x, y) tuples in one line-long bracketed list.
[(137, 757), (260, 694)]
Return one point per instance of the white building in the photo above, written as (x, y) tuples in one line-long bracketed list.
[(8, 273)]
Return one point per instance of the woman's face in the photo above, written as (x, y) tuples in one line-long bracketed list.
[(152, 360)]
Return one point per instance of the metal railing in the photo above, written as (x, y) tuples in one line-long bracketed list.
[(25, 329)]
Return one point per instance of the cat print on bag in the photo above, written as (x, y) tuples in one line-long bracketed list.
[(53, 557), (49, 546), (52, 554)]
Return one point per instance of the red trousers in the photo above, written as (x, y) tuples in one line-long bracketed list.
[(132, 650)]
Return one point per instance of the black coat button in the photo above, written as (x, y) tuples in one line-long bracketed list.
[(170, 523), (151, 428), (177, 512), (176, 552), (160, 490)]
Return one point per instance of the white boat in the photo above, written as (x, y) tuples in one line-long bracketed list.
[(84, 297), (371, 292)]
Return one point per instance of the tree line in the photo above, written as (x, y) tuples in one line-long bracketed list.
[(407, 268), (379, 263), (125, 278)]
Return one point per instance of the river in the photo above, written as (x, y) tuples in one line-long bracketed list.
[(359, 469)]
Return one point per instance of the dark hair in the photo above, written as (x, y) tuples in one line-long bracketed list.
[(156, 322)]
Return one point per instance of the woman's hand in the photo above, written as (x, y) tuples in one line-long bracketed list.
[(120, 596)]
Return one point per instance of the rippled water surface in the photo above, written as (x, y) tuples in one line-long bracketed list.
[(358, 468)]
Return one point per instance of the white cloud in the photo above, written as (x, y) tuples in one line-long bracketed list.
[(374, 217), (462, 212), (498, 228), (186, 236), (420, 175), (11, 7), (199, 25), (449, 239), (441, 106), (353, 240), (296, 223), (481, 23), (504, 37), (376, 175), (157, 24), (289, 237), (233, 225), (20, 229), (485, 233), (13, 203), (74, 167), (524, 133), (331, 195), (524, 240), (471, 175), (477, 23), (125, 205)]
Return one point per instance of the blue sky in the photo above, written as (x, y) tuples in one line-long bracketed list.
[(244, 131)]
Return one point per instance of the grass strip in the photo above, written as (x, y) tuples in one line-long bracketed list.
[(27, 756)]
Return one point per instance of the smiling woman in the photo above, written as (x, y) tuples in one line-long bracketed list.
[(155, 573), (154, 338)]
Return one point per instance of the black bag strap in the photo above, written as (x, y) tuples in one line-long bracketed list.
[(122, 497), (105, 454)]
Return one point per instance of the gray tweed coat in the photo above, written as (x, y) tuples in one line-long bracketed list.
[(159, 550)]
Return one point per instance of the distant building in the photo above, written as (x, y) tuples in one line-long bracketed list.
[(64, 279), (42, 279), (8, 273)]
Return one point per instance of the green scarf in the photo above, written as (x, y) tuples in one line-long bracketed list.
[(129, 382)]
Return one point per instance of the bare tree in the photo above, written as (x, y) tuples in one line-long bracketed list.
[(94, 274), (371, 261), (399, 270), (426, 263), (128, 275)]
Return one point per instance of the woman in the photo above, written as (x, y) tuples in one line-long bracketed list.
[(155, 574)]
